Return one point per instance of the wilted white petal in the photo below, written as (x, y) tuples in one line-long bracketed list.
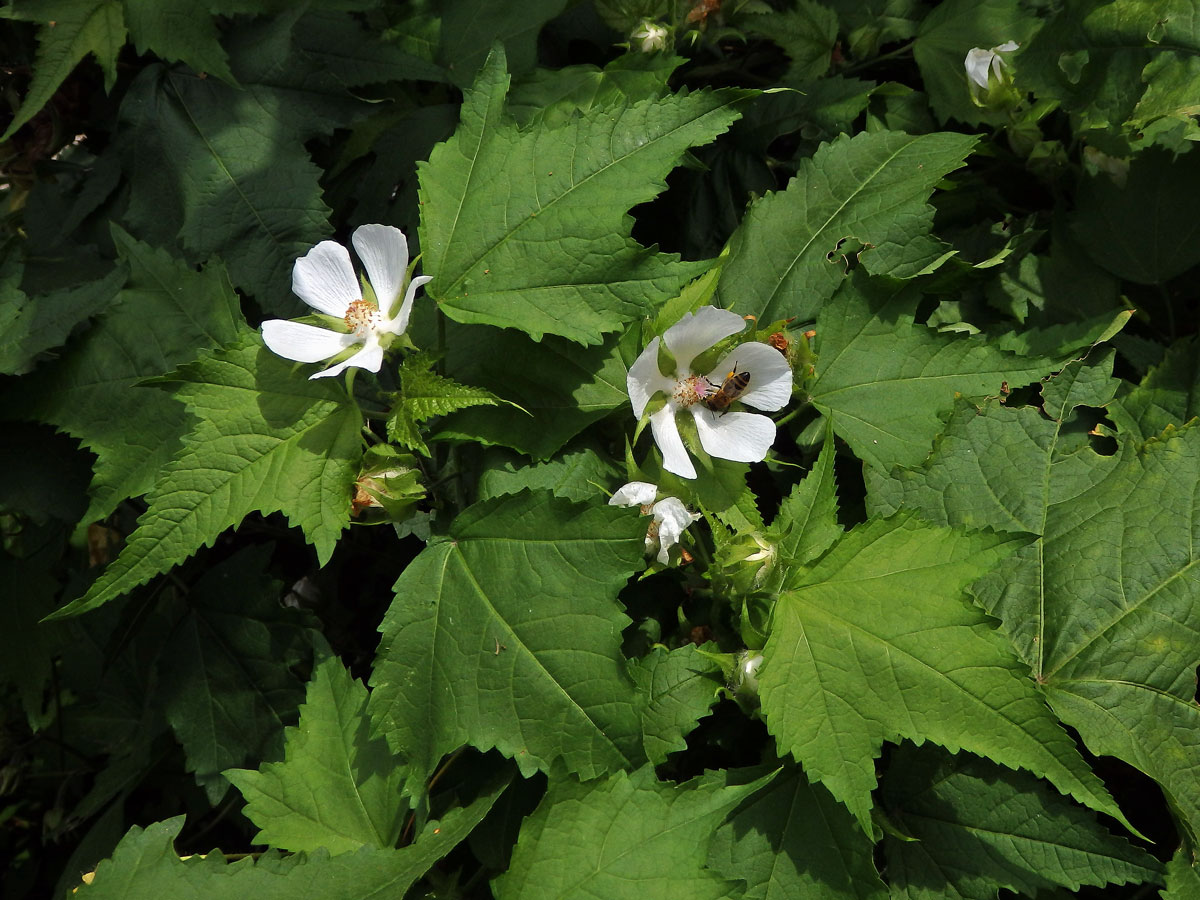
[(696, 332), (399, 324), (739, 436), (303, 343), (770, 385), (370, 357), (324, 279), (670, 443), (977, 64), (672, 518), (384, 254), (645, 380), (635, 493)]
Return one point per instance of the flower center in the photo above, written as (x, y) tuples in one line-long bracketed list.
[(362, 317), (690, 391)]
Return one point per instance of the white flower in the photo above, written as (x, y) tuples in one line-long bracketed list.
[(324, 279), (739, 436), (650, 36), (671, 517), (746, 675), (986, 69)]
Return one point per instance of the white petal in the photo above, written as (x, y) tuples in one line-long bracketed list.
[(672, 518), (666, 435), (644, 379), (635, 493), (977, 63), (399, 324), (303, 343), (770, 385), (384, 254), (1006, 47), (739, 436), (369, 357), (696, 332), (324, 279)]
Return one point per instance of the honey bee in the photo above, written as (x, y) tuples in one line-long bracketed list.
[(732, 387)]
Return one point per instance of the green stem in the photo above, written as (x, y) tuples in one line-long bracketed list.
[(867, 63)]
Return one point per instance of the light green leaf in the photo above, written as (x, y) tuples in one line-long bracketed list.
[(423, 395), (264, 439), (870, 190), (72, 30), (925, 665), (974, 827), (675, 690), (178, 31), (946, 35), (1183, 877), (232, 651), (508, 624), (1141, 232), (556, 94), (563, 386), (166, 314), (530, 229), (887, 381), (792, 839), (1102, 607), (338, 787), (609, 838)]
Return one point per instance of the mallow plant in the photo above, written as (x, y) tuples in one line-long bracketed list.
[(601, 449)]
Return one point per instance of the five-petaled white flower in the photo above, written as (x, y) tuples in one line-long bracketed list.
[(324, 279), (650, 36), (986, 70), (739, 436), (671, 517)]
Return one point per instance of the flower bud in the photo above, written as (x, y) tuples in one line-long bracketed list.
[(989, 77)]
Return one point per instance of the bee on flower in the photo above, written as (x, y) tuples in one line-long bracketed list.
[(324, 279), (761, 377)]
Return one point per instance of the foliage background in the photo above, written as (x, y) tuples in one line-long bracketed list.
[(978, 606)]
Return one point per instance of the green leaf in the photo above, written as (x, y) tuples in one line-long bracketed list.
[(1102, 606), (870, 190), (1168, 395), (471, 28), (232, 652), (887, 381), (807, 524), (29, 326), (145, 866), (165, 315), (806, 31), (1183, 877), (974, 827), (72, 30), (338, 787), (675, 690), (264, 439), (178, 31), (530, 229), (792, 839), (510, 623), (946, 35), (224, 170), (28, 646), (609, 838), (1140, 231), (557, 94), (355, 55), (925, 665), (423, 395), (578, 475), (563, 386)]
